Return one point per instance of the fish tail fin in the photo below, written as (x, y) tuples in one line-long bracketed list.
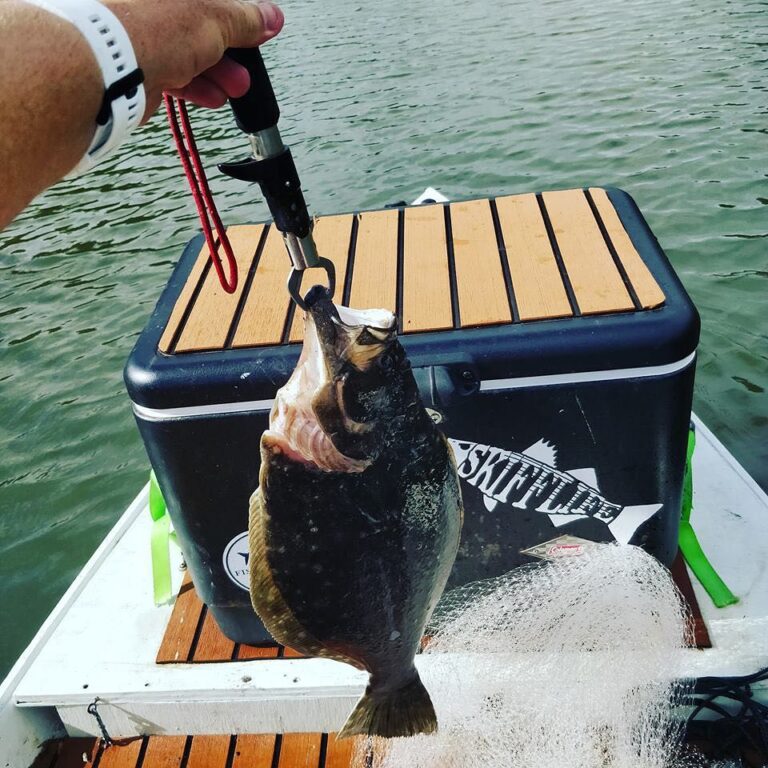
[(403, 712)]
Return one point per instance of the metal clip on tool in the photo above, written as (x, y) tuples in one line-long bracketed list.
[(272, 166)]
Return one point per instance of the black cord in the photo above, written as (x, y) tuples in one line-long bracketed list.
[(733, 730), (93, 710)]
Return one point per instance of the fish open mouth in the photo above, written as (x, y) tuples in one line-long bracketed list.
[(293, 424)]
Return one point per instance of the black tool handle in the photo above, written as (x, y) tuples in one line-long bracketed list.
[(258, 109)]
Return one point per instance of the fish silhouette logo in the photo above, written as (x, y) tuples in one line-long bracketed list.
[(531, 481)]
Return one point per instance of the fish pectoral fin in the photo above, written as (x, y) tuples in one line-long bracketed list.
[(270, 443), (405, 711)]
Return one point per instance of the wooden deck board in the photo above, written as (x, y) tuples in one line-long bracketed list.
[(291, 750), (597, 283), (208, 752), (208, 324), (538, 287), (121, 755), (426, 280), (213, 645), (698, 629), (254, 751), (339, 752), (647, 289), (332, 234), (300, 750), (374, 275), (69, 753), (480, 282), (245, 652), (266, 306), (164, 752), (182, 626)]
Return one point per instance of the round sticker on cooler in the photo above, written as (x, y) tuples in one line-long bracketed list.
[(236, 560)]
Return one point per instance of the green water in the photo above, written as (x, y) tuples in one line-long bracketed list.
[(665, 99)]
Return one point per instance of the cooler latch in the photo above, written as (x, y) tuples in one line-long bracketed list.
[(441, 386)]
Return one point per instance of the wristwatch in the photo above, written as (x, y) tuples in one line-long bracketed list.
[(124, 100)]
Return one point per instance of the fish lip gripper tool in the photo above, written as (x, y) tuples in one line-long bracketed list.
[(271, 165)]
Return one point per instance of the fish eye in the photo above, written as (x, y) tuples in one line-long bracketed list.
[(387, 361)]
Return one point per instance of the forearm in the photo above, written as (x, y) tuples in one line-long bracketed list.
[(51, 85), (51, 92)]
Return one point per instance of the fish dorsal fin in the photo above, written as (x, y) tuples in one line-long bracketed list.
[(542, 451)]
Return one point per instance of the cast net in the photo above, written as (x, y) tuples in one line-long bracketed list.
[(571, 663)]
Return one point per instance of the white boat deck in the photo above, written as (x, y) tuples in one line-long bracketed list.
[(103, 638)]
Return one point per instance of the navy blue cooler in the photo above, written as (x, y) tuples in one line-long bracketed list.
[(551, 339)]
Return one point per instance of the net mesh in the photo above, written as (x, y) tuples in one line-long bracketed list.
[(570, 663)]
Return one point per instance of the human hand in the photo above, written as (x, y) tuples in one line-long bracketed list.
[(180, 45)]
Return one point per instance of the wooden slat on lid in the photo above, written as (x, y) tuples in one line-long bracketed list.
[(597, 283), (208, 323), (339, 752), (179, 308), (212, 645), (266, 306), (374, 276), (300, 750), (647, 289), (180, 632), (254, 751), (536, 280), (209, 752), (164, 752), (480, 283), (245, 652), (124, 754), (331, 235), (426, 280)]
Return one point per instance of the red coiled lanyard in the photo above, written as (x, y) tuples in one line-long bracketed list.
[(181, 129)]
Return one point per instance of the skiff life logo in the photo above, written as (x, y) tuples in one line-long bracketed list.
[(530, 480), (236, 560)]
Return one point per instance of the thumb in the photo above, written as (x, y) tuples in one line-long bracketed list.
[(254, 23)]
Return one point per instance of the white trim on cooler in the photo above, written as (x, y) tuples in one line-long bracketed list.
[(216, 409), (492, 385), (495, 385)]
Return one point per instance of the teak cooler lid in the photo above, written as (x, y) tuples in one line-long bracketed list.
[(524, 285)]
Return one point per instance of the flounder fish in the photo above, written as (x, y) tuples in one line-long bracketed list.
[(356, 522)]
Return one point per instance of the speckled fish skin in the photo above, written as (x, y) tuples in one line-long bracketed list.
[(349, 564)]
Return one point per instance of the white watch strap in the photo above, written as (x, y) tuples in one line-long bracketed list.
[(114, 53)]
